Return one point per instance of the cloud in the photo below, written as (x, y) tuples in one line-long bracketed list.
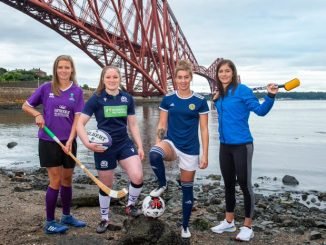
[(267, 40)]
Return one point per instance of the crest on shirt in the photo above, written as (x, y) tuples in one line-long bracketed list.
[(124, 99), (192, 107), (72, 97), (104, 164)]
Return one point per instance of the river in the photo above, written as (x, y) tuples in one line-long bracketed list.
[(291, 140)]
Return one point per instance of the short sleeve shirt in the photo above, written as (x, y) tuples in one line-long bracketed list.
[(183, 120), (111, 113), (58, 111)]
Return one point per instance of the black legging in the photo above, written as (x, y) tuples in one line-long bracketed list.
[(236, 165)]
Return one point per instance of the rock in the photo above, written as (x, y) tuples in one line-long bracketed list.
[(201, 224), (145, 230), (290, 180), (304, 197), (12, 144), (214, 177), (314, 235)]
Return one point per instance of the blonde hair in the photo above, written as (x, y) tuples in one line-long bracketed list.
[(101, 85), (183, 65), (55, 85)]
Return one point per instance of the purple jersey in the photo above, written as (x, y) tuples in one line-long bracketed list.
[(58, 111)]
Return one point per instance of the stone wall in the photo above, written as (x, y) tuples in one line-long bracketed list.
[(14, 97)]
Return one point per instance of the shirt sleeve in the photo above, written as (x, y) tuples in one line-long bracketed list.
[(131, 106), (204, 107), (36, 98), (80, 102), (90, 106), (164, 104), (252, 103)]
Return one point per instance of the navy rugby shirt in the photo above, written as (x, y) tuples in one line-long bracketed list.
[(111, 113)]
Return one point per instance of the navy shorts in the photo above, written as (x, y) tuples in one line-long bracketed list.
[(108, 159), (51, 154)]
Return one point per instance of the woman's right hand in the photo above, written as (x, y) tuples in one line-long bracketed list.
[(216, 95), (39, 121), (96, 147)]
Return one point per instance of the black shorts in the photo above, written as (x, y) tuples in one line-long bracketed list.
[(51, 154)]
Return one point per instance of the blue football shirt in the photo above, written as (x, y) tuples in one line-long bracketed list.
[(111, 113), (183, 120)]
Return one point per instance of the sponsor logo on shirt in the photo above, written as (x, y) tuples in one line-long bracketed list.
[(105, 99), (115, 111), (61, 111), (124, 99), (51, 95), (72, 97), (132, 149), (172, 104), (104, 164), (192, 107)]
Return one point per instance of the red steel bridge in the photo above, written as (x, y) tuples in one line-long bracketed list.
[(142, 37)]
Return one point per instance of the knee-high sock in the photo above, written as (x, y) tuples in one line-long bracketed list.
[(104, 200), (134, 192), (51, 198), (156, 156), (187, 202), (66, 196)]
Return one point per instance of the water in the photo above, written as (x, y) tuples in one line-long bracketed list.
[(291, 140)]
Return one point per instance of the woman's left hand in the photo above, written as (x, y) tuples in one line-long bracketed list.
[(141, 153), (68, 146), (272, 88), (203, 162)]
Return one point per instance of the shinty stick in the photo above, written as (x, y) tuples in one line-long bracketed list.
[(287, 86), (107, 190)]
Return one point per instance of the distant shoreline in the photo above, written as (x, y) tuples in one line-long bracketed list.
[(14, 97)]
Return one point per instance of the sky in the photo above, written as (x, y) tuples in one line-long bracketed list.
[(268, 40)]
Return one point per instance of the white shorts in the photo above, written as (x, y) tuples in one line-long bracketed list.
[(186, 162)]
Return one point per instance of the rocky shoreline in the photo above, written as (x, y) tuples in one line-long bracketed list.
[(279, 218)]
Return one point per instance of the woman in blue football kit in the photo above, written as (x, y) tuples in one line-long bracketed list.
[(114, 110), (177, 136), (234, 102)]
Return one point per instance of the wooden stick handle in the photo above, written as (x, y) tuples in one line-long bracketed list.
[(103, 187)]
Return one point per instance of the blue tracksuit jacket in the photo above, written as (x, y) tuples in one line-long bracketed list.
[(233, 114)]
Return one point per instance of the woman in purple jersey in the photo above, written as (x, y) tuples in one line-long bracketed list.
[(181, 112), (62, 101)]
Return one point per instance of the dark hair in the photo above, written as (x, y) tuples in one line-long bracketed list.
[(234, 82), (101, 85)]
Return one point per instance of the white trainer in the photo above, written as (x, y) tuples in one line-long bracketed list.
[(245, 234), (158, 191), (224, 226), (185, 233)]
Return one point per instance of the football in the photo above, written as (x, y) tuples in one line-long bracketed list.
[(153, 206), (99, 136)]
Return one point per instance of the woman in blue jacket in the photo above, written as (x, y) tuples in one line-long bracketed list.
[(234, 102)]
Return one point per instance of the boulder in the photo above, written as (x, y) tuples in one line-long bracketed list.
[(290, 180)]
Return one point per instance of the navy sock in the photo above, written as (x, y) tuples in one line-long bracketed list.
[(187, 202), (156, 155)]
